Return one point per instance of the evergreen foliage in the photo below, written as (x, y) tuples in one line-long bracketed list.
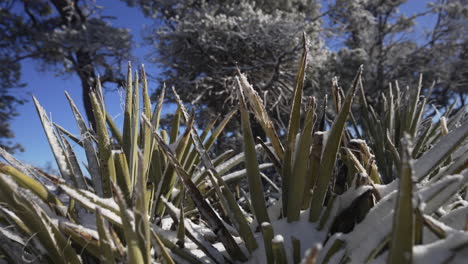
[(68, 37)]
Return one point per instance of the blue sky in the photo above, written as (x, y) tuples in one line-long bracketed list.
[(49, 89)]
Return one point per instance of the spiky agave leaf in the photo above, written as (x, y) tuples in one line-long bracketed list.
[(401, 244), (330, 152)]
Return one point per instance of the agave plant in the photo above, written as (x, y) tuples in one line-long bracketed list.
[(391, 189)]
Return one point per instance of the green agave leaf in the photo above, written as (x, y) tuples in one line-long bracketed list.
[(86, 238), (330, 152), (107, 203), (205, 210), (155, 118), (414, 100), (91, 156), (140, 211), (436, 227), (118, 242), (393, 151), (186, 255), (293, 129), (175, 125), (218, 130), (76, 173), (106, 160), (105, 241), (202, 152), (300, 165), (223, 167), (155, 177), (243, 226), (379, 138), (417, 118), (114, 129), (54, 142), (363, 99), (99, 93), (260, 113), (128, 115), (38, 222), (351, 115), (20, 166), (133, 157), (78, 178), (170, 175), (110, 212), (226, 197), (268, 233), (234, 211), (296, 244), (31, 184), (122, 175), (181, 225), (312, 172), (165, 254), (241, 174), (440, 152), (204, 245), (390, 117), (194, 157), (401, 244), (333, 247), (377, 125), (220, 196), (329, 211), (12, 218), (64, 244), (337, 93), (278, 250), (199, 175), (295, 114), (63, 131), (422, 141), (418, 225), (156, 159), (355, 162), (269, 151), (323, 116), (253, 172), (134, 251), (146, 131)]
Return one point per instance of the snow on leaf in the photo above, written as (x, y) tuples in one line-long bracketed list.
[(440, 152)]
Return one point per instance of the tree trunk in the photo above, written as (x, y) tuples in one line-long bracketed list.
[(73, 17), (87, 75)]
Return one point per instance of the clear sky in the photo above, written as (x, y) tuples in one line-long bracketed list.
[(49, 89)]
